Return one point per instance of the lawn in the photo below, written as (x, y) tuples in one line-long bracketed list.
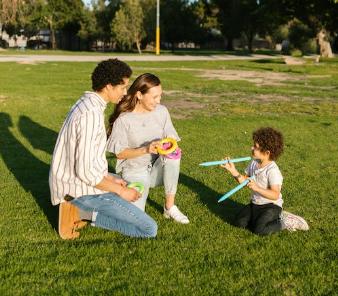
[(215, 106)]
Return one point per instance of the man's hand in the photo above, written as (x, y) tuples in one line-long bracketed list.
[(119, 181), (129, 194)]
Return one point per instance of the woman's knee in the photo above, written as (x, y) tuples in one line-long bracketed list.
[(172, 163)]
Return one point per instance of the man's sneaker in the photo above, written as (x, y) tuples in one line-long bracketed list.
[(175, 214), (293, 222)]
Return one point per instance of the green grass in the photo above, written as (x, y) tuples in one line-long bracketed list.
[(209, 256)]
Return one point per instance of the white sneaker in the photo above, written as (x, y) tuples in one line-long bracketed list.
[(293, 222), (175, 214)]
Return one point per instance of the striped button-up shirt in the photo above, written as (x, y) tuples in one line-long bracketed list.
[(79, 159)]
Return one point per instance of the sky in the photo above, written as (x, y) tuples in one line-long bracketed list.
[(87, 2)]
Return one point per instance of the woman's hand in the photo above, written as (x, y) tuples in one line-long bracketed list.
[(129, 194), (152, 147)]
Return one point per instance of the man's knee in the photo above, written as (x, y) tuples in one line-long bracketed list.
[(151, 229)]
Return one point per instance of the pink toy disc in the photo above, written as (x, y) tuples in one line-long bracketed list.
[(176, 154)]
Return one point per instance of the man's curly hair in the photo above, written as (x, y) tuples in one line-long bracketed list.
[(269, 139), (111, 71)]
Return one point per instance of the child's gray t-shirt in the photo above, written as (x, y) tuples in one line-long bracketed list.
[(134, 130), (265, 177)]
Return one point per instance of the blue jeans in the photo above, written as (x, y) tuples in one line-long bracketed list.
[(164, 171), (114, 213)]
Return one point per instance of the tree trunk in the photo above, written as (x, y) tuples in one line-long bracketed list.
[(250, 37), (52, 31), (138, 45), (230, 45), (324, 44)]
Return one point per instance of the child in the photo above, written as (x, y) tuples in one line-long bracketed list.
[(262, 215)]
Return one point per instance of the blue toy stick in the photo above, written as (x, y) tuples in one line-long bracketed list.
[(238, 187), (210, 163)]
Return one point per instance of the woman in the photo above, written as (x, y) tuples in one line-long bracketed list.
[(135, 128)]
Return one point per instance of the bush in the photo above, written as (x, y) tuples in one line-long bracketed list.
[(296, 53), (310, 46), (37, 44), (4, 43), (299, 34), (280, 34)]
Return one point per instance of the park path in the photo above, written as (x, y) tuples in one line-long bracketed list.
[(129, 58)]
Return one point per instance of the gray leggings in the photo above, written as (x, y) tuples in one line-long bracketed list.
[(164, 171)]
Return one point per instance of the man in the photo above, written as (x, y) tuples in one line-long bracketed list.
[(79, 179)]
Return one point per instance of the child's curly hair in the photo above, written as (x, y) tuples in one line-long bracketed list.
[(111, 71), (269, 139)]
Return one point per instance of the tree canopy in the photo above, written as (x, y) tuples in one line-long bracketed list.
[(129, 24)]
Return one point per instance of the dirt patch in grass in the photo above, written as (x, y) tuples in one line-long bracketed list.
[(30, 62), (186, 104), (178, 93), (3, 98), (256, 77)]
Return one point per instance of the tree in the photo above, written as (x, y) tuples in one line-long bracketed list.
[(229, 18), (178, 22), (8, 14), (321, 16), (88, 28), (149, 20), (8, 10), (127, 26), (248, 17), (104, 12), (64, 15)]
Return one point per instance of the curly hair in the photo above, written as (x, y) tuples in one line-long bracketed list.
[(269, 139), (111, 71)]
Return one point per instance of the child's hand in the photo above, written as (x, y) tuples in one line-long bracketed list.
[(253, 185), (229, 166)]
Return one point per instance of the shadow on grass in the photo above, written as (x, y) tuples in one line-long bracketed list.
[(40, 137), (226, 210), (33, 173), (269, 61), (30, 172)]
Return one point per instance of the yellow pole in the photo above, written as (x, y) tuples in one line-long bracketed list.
[(158, 28), (157, 40)]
